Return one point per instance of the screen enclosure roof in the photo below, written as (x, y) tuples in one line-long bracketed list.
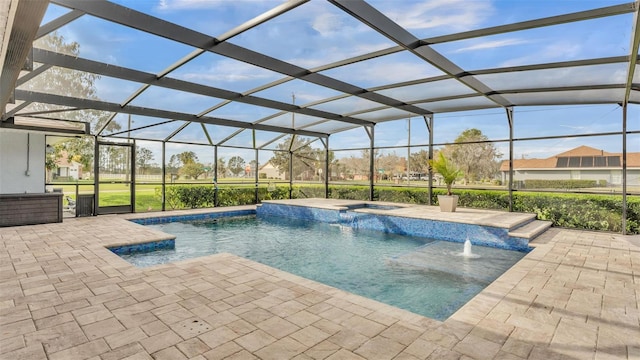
[(159, 70)]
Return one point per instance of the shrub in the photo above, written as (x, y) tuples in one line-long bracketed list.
[(278, 193), (188, 196), (560, 184), (233, 196), (579, 211), (349, 192)]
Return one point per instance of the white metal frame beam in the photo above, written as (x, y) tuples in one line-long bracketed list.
[(137, 20), (390, 29), (80, 64), (142, 111)]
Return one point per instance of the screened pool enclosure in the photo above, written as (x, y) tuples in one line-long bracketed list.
[(538, 103)]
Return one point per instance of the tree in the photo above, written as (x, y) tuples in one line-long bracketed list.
[(187, 157), (52, 154), (388, 165), (222, 167), (306, 160), (74, 83), (474, 155), (193, 170), (143, 157), (236, 165), (419, 161), (446, 168), (253, 165)]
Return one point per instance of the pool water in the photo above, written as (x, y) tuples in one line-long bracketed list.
[(368, 263)]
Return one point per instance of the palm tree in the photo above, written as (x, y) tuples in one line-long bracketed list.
[(446, 169)]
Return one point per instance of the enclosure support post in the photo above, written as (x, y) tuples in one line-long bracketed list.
[(326, 169), (371, 131), (96, 175), (164, 174), (510, 120), (624, 169), (256, 172), (409, 151), (428, 120), (132, 169), (215, 175), (291, 170)]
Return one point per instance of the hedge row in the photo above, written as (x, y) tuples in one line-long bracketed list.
[(579, 211), (562, 184)]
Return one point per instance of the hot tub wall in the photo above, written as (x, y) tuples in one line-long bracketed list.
[(434, 229)]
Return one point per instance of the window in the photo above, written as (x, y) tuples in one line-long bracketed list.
[(574, 161), (563, 161), (587, 161), (613, 161)]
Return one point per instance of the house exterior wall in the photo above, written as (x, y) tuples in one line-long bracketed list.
[(13, 162), (271, 172), (633, 177), (611, 176)]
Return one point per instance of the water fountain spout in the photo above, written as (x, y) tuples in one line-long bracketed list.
[(467, 248)]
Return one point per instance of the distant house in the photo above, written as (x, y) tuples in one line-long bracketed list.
[(581, 163), (71, 170), (271, 171)]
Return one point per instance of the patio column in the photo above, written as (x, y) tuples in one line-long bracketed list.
[(215, 175), (256, 170), (293, 137), (164, 173), (371, 131), (428, 120), (624, 168), (510, 120), (96, 175), (326, 168)]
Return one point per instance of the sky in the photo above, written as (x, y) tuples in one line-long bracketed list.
[(318, 33)]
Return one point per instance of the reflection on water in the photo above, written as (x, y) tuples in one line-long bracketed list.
[(420, 275)]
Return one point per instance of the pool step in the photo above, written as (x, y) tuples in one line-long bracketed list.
[(531, 230)]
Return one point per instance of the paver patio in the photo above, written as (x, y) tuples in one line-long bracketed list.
[(64, 296)]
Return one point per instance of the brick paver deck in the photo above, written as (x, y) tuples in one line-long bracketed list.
[(64, 296)]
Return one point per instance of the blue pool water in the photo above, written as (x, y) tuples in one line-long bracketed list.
[(390, 268)]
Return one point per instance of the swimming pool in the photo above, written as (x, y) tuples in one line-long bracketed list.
[(390, 268)]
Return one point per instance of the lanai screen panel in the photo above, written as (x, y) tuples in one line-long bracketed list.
[(328, 66)]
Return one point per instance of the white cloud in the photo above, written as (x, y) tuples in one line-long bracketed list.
[(167, 5), (453, 14), (327, 24), (377, 73), (305, 98), (492, 45), (555, 51), (230, 71)]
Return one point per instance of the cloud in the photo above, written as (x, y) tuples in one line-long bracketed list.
[(555, 51), (227, 70), (329, 54), (167, 5), (327, 24), (492, 45), (452, 14), (376, 73)]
